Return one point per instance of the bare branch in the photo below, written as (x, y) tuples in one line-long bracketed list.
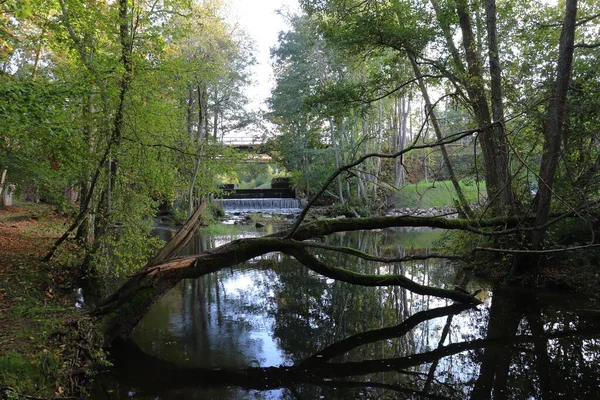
[(186, 153)]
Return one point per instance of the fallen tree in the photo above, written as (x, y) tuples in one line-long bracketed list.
[(124, 309)]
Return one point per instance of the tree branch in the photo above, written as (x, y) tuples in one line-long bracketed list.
[(587, 45), (547, 251)]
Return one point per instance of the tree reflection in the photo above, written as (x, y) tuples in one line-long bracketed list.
[(347, 341), (527, 352)]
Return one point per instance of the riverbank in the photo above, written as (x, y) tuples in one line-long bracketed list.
[(47, 346)]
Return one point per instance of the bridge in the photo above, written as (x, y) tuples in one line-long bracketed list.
[(245, 142), (276, 193), (252, 145)]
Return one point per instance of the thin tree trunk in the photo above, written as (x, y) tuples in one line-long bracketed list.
[(202, 117), (336, 157), (190, 112), (3, 187), (402, 112), (84, 231), (499, 130), (464, 204), (216, 113), (555, 121)]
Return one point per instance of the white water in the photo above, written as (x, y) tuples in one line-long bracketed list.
[(271, 205)]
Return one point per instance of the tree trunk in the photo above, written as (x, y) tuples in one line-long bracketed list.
[(555, 121), (493, 142), (401, 116), (202, 117), (84, 231), (3, 187), (122, 310), (430, 112), (190, 112), (216, 113), (336, 156), (498, 129)]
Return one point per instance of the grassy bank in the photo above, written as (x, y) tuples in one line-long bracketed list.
[(46, 344), (436, 194)]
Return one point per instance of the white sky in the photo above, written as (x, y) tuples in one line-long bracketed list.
[(259, 19)]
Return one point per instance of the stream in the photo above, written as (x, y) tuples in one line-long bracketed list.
[(272, 329)]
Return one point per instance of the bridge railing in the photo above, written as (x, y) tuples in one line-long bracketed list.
[(242, 140)]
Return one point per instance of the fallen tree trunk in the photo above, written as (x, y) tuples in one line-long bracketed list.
[(121, 312), (131, 302)]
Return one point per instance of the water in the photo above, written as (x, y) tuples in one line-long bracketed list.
[(269, 205), (271, 329)]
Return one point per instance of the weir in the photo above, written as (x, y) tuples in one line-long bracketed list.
[(259, 204)]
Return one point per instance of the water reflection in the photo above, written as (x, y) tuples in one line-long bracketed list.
[(273, 329)]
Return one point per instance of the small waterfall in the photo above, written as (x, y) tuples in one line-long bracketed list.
[(286, 205)]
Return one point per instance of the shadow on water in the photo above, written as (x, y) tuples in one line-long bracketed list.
[(272, 329)]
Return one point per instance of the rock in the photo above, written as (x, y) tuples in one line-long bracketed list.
[(259, 225)]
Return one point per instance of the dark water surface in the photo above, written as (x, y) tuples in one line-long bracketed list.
[(271, 329)]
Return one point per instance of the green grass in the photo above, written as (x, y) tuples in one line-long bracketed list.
[(27, 373), (435, 194)]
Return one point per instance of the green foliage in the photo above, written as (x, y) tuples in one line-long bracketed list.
[(72, 90), (255, 175), (350, 209), (212, 214), (128, 241)]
